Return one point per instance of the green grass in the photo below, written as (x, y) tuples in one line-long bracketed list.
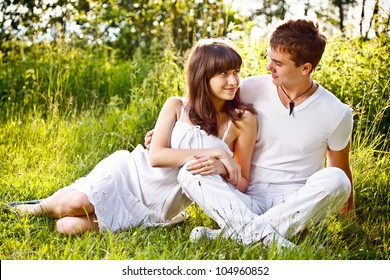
[(47, 140)]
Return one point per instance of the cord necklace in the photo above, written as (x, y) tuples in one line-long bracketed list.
[(292, 104)]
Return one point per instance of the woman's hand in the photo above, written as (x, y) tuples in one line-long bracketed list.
[(207, 165), (226, 166)]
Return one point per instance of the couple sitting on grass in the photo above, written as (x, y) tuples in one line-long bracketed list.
[(250, 154)]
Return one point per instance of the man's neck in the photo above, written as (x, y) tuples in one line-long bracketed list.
[(294, 91)]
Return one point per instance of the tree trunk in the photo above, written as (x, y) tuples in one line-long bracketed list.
[(373, 18), (307, 7), (341, 17), (362, 18)]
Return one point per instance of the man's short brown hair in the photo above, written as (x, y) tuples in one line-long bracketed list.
[(300, 38)]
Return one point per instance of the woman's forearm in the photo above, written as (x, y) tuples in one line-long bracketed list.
[(167, 157)]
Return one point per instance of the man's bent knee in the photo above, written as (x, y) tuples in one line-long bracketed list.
[(185, 177), (332, 181)]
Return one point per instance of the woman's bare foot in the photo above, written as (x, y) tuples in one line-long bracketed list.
[(27, 209)]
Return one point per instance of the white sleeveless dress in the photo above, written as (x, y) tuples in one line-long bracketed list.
[(127, 191)]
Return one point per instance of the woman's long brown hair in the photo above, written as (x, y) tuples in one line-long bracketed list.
[(207, 58)]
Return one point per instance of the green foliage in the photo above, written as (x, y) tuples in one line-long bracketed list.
[(358, 73), (125, 25), (143, 22), (63, 109), (56, 78)]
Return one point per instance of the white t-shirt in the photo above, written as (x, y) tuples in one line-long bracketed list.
[(289, 149)]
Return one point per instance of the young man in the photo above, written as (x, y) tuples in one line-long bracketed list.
[(300, 124)]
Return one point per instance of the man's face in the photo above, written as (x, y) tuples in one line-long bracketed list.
[(283, 69)]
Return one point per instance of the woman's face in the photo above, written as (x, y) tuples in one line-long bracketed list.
[(224, 85)]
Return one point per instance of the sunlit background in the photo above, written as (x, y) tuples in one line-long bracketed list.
[(327, 12), (136, 21)]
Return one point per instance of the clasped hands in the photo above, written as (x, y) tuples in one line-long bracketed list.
[(225, 166)]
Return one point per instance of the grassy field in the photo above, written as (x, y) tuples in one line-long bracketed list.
[(63, 109)]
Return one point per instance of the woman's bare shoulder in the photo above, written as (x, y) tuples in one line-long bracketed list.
[(174, 102)]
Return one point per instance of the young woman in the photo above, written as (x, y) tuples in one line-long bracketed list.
[(210, 126)]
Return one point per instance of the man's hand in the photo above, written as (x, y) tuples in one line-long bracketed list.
[(348, 209)]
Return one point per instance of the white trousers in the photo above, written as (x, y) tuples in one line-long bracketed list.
[(264, 208)]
